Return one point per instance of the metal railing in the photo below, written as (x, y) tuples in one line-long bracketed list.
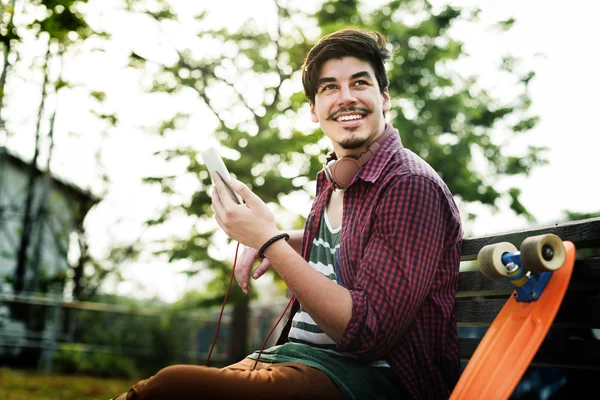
[(51, 323)]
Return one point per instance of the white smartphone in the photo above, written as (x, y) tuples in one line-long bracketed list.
[(213, 161)]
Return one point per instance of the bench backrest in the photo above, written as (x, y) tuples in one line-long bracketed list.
[(572, 341)]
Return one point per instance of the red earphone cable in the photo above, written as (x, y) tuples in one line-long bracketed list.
[(223, 306), (272, 329)]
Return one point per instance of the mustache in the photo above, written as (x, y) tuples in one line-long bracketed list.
[(342, 110)]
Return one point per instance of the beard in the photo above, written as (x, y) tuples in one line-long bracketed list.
[(353, 142)]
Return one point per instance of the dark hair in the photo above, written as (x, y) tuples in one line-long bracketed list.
[(364, 44)]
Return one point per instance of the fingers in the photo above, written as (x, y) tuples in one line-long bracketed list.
[(261, 269), (243, 267), (222, 191), (244, 191), (216, 199), (218, 208), (221, 201)]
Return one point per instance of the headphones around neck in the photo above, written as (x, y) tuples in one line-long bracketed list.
[(341, 172)]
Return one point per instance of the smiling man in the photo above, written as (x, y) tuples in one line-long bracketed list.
[(374, 272)]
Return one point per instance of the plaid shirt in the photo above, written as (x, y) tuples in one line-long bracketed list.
[(399, 258)]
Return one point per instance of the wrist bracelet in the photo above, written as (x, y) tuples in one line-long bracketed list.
[(261, 252)]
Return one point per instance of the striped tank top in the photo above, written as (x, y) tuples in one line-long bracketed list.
[(323, 259)]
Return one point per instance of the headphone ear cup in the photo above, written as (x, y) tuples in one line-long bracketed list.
[(344, 170), (341, 172)]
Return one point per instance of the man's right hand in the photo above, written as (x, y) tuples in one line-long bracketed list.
[(244, 267)]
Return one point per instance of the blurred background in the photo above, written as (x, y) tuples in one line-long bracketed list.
[(111, 263)]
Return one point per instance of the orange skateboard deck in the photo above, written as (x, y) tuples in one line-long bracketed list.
[(511, 342)]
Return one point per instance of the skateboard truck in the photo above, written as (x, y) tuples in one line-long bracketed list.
[(529, 269), (527, 287)]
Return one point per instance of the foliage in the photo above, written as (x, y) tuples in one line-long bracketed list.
[(26, 385), (576, 216), (125, 334), (444, 118), (139, 337), (119, 336), (248, 89), (72, 358), (58, 22)]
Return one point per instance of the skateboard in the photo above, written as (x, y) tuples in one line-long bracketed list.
[(540, 272)]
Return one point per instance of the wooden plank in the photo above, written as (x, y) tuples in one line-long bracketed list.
[(586, 277), (552, 353), (578, 310), (583, 233), (474, 284)]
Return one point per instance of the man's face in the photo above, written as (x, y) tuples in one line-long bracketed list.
[(348, 105)]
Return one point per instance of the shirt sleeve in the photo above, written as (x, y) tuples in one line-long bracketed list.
[(397, 269)]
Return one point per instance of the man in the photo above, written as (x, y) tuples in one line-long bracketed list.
[(375, 270)]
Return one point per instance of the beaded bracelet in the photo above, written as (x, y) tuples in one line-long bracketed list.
[(261, 252)]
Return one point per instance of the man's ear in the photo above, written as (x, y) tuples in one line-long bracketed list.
[(387, 104), (313, 113)]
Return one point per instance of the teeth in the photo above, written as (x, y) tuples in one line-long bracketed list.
[(349, 117)]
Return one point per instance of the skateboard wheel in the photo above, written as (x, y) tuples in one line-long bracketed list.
[(543, 253), (489, 259)]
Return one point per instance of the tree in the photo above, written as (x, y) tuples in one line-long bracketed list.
[(250, 124), (248, 90), (61, 29), (441, 116), (8, 35)]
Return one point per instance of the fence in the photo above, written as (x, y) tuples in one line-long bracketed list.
[(153, 337)]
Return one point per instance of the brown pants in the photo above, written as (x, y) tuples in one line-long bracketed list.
[(237, 381)]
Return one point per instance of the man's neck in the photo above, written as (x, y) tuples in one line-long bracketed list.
[(335, 208)]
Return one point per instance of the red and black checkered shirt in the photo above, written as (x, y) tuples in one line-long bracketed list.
[(399, 257)]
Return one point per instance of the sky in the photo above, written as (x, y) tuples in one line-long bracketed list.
[(556, 42)]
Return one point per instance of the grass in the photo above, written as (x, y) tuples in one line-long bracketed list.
[(26, 385)]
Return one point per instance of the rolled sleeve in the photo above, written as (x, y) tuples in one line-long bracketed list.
[(397, 268)]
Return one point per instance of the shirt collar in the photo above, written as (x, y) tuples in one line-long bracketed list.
[(373, 168)]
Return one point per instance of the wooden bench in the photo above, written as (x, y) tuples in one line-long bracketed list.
[(572, 342)]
